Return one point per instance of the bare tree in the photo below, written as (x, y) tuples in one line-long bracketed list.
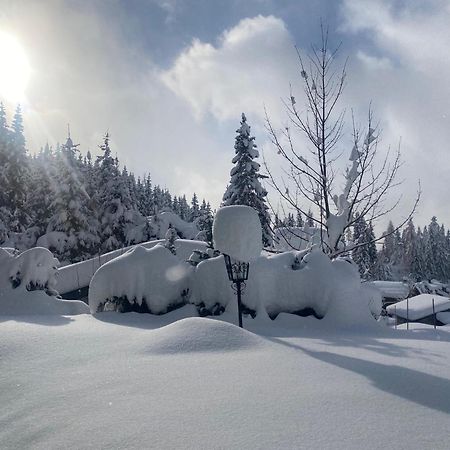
[(369, 177)]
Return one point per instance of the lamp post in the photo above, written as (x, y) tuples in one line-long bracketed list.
[(237, 273)]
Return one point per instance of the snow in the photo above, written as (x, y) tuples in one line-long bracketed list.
[(237, 232), (420, 306), (130, 381), (202, 335), (23, 280), (153, 275)]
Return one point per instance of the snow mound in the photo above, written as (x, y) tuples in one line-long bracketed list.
[(237, 232), (197, 334)]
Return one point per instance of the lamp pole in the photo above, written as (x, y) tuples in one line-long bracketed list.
[(237, 273), (239, 293)]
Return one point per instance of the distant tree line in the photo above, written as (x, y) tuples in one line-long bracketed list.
[(76, 205)]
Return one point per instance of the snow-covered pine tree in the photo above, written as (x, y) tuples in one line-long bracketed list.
[(16, 174), (365, 253), (116, 213), (39, 201), (73, 209), (205, 221), (310, 219), (300, 221), (435, 251), (195, 209), (245, 187), (5, 211)]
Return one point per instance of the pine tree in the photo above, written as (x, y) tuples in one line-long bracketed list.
[(116, 213), (300, 221), (195, 210), (16, 174), (73, 214), (245, 187), (365, 253)]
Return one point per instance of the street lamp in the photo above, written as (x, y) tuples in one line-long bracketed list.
[(237, 273)]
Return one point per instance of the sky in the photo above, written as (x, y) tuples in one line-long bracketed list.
[(169, 80)]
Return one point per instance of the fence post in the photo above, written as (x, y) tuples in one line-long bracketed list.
[(395, 314), (407, 313), (434, 313)]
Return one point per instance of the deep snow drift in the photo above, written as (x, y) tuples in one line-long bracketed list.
[(120, 381)]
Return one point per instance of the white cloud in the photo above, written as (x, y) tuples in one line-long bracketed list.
[(251, 66), (409, 89)]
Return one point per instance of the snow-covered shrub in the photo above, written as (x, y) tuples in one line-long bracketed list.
[(152, 280), (36, 269), (167, 219), (304, 283), (27, 285)]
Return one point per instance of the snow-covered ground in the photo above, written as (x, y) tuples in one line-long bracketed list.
[(141, 381)]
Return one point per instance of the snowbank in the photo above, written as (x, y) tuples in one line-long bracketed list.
[(237, 232), (420, 306), (202, 335), (27, 283), (154, 276)]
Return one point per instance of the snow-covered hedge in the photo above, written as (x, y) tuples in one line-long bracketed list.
[(305, 282), (27, 285), (141, 279)]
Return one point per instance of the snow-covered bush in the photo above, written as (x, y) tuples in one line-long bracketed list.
[(152, 280), (307, 282), (163, 221), (35, 269), (27, 285)]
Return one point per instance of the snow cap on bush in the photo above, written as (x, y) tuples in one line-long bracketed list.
[(237, 232)]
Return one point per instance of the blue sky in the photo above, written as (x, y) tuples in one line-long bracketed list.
[(170, 78)]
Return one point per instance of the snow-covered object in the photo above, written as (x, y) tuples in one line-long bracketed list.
[(55, 240), (167, 219), (154, 275), (197, 334), (354, 305), (35, 268), (419, 307), (237, 232), (292, 282), (79, 275), (23, 280)]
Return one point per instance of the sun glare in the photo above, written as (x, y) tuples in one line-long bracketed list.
[(14, 69)]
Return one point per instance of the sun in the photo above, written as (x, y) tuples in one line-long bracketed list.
[(14, 69)]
